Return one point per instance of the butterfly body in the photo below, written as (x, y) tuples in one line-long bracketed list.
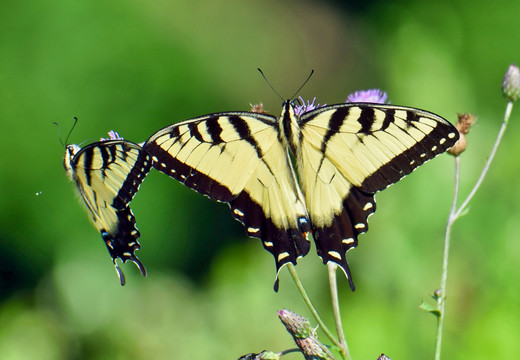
[(344, 153), (107, 175)]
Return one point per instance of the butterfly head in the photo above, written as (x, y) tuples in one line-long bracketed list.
[(288, 125), (70, 151)]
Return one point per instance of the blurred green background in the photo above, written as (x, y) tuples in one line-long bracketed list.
[(135, 66)]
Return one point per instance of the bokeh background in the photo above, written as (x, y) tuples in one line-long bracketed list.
[(136, 66)]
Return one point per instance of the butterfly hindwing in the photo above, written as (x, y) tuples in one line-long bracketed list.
[(348, 152), (108, 175), (236, 157)]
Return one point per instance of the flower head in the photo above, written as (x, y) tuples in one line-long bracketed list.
[(370, 96), (257, 108), (305, 107), (511, 83), (112, 136), (463, 125)]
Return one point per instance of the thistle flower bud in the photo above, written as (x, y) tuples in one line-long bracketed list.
[(463, 125), (437, 294), (304, 336), (298, 326), (511, 83)]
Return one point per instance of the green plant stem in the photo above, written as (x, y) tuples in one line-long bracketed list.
[(455, 213), (441, 303), (311, 307), (335, 309), (288, 351), (507, 115)]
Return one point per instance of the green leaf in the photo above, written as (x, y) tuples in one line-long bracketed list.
[(431, 309)]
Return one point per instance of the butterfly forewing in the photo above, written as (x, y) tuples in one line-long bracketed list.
[(237, 158), (108, 175), (375, 145)]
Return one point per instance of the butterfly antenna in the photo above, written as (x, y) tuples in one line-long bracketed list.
[(268, 83), (305, 82), (59, 133), (72, 128)]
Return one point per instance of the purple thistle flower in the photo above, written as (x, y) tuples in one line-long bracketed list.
[(305, 107), (375, 96), (112, 136)]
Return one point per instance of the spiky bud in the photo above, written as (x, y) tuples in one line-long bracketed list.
[(511, 83), (304, 336)]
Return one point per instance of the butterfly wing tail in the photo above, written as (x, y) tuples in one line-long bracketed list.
[(123, 243), (334, 240)]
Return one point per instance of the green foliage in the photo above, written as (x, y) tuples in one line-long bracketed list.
[(137, 66), (429, 308)]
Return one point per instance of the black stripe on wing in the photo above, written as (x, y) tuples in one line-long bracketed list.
[(334, 240), (437, 135), (187, 175), (134, 179), (439, 139)]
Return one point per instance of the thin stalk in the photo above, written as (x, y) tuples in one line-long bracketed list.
[(455, 213), (288, 351), (441, 303), (311, 307), (507, 114), (335, 308)]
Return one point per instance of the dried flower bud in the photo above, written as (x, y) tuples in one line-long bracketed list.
[(459, 146), (511, 83), (465, 122), (257, 108), (463, 125), (304, 336)]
